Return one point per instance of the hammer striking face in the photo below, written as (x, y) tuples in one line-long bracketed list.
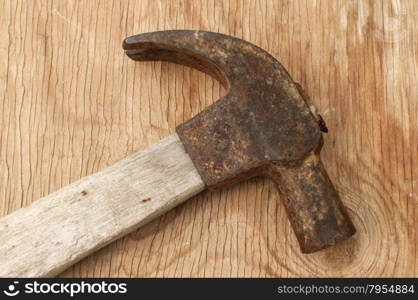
[(262, 127)]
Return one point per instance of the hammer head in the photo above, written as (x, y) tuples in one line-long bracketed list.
[(262, 126)]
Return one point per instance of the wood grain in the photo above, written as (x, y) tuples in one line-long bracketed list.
[(72, 104), (58, 230)]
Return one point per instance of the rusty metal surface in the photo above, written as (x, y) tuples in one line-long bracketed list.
[(263, 126)]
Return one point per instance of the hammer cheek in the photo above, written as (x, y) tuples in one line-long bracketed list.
[(315, 210)]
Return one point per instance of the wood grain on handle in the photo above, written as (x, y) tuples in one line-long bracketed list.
[(58, 230)]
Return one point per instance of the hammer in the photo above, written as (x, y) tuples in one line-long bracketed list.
[(262, 127)]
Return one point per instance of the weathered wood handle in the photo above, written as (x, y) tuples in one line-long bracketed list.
[(56, 231)]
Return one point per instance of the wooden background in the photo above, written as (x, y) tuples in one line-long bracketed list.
[(72, 104)]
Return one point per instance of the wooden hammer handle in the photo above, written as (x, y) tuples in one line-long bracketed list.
[(56, 231)]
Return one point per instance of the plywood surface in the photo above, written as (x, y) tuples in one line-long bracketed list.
[(72, 104)]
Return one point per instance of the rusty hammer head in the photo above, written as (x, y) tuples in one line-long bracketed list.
[(262, 126)]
